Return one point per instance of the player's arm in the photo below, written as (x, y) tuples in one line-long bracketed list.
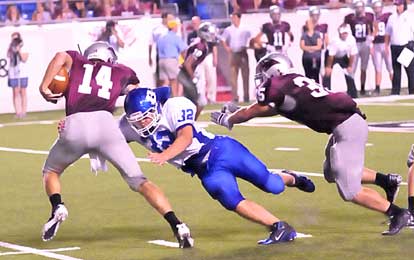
[(242, 115), (61, 59), (255, 110), (188, 62), (183, 140), (257, 40)]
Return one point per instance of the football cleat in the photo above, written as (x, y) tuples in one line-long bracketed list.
[(303, 183), (393, 186), (184, 236), (280, 232), (410, 223), (59, 214), (398, 222)]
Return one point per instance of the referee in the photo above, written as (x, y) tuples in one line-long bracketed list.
[(400, 34)]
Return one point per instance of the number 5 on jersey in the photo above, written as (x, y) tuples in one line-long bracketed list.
[(102, 78)]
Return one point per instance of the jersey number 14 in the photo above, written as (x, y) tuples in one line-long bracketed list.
[(103, 79)]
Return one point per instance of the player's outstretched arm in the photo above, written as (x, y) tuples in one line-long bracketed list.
[(183, 140), (61, 59), (242, 115)]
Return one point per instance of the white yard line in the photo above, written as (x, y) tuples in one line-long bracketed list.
[(29, 151), (43, 250), (35, 251)]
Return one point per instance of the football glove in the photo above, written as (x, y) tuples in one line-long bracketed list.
[(221, 119), (229, 107)]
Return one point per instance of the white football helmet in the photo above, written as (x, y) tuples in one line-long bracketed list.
[(208, 32), (100, 51), (272, 64)]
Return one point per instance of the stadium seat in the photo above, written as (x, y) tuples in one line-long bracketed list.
[(27, 10)]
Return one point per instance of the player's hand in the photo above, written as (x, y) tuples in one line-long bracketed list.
[(49, 96), (328, 71), (349, 71), (61, 125), (158, 158), (221, 119)]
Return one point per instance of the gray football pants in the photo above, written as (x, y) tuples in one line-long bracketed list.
[(97, 132), (345, 155)]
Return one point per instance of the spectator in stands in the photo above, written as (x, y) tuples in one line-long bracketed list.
[(79, 8), (158, 32), (41, 14), (235, 40), (17, 74), (311, 44), (150, 6), (400, 35), (63, 11), (13, 15), (169, 48), (126, 8), (111, 36), (342, 50)]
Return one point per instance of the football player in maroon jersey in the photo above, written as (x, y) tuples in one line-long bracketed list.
[(303, 100), (95, 83), (362, 29)]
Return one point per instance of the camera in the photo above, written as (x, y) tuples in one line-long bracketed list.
[(16, 42)]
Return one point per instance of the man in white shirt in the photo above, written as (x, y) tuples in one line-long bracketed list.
[(341, 50), (400, 35), (235, 40)]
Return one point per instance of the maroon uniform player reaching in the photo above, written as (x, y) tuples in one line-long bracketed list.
[(95, 83), (302, 100), (362, 29), (277, 32), (379, 50), (191, 76)]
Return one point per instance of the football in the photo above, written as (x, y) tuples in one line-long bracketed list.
[(60, 82)]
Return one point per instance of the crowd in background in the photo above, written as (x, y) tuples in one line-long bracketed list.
[(169, 44)]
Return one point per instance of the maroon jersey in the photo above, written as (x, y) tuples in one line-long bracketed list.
[(276, 33), (95, 86), (307, 102), (381, 24), (199, 50), (361, 26)]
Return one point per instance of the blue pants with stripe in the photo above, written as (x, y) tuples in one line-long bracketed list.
[(229, 160)]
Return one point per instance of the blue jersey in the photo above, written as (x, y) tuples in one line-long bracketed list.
[(217, 160), (176, 113)]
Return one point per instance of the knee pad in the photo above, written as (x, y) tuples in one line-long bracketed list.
[(229, 200)]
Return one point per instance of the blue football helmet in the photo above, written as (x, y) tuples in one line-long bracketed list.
[(142, 104)]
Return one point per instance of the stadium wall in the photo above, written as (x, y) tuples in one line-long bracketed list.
[(41, 42)]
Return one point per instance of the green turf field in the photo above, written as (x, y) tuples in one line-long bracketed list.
[(109, 222)]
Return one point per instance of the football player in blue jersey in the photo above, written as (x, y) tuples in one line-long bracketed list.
[(166, 127)]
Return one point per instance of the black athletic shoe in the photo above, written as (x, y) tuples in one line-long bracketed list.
[(393, 186), (303, 183), (398, 222), (280, 232), (410, 223)]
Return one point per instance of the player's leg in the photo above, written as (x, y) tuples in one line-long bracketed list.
[(347, 161), (377, 60), (364, 54), (221, 184), (189, 88), (113, 147), (389, 182), (68, 148), (201, 89), (410, 180)]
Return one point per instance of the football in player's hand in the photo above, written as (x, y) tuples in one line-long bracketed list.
[(60, 82)]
